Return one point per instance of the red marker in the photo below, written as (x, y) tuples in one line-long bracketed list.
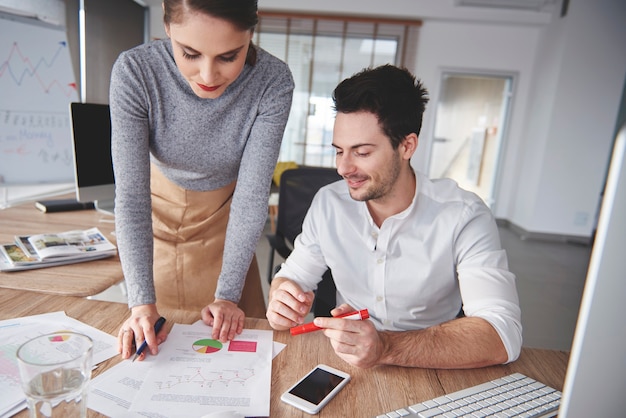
[(356, 316)]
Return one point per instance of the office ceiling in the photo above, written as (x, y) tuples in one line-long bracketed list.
[(530, 5)]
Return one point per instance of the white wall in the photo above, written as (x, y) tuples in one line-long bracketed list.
[(479, 47), (50, 11), (569, 75), (157, 31), (572, 117)]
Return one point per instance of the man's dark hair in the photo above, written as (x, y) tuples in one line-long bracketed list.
[(393, 94)]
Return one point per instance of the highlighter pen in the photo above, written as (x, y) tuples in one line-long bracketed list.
[(356, 316), (144, 344)]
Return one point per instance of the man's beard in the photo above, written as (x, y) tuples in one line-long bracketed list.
[(382, 187)]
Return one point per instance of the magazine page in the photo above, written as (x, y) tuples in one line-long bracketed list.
[(15, 255), (77, 244), (26, 246), (7, 265)]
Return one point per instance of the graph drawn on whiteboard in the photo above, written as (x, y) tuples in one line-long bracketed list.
[(37, 84)]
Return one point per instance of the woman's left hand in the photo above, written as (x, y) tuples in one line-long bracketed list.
[(225, 317)]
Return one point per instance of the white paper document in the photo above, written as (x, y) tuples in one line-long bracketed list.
[(16, 331), (191, 376)]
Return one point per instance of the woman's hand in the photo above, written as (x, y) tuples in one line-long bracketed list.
[(140, 327), (225, 317)]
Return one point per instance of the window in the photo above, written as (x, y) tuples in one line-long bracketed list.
[(321, 51)]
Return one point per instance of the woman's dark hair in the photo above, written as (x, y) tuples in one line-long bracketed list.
[(241, 13), (392, 94)]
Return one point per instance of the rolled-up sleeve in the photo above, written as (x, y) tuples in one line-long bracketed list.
[(487, 287)]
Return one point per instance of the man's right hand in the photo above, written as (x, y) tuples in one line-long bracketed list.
[(288, 304)]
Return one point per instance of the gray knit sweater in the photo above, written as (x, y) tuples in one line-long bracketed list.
[(199, 144)]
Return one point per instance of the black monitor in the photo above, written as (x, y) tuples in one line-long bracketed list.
[(93, 166)]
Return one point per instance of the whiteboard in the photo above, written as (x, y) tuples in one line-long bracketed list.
[(37, 84)]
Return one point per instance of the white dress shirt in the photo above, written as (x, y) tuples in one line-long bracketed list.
[(419, 268)]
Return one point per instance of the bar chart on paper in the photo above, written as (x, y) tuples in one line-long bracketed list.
[(37, 84)]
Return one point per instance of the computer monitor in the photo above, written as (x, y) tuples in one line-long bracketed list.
[(93, 166), (595, 382)]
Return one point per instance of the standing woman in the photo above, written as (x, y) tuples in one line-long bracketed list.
[(197, 122)]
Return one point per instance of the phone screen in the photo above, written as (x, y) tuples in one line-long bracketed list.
[(316, 386)]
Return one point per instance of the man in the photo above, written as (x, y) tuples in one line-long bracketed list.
[(411, 250)]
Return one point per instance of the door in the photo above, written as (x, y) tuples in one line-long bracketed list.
[(469, 123)]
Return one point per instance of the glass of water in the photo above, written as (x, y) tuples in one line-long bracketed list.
[(55, 370)]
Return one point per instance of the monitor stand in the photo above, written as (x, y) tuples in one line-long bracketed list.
[(105, 206)]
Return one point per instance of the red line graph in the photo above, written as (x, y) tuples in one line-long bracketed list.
[(19, 67)]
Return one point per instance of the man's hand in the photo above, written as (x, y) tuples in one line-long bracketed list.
[(225, 317), (138, 327), (356, 342), (461, 343), (288, 304)]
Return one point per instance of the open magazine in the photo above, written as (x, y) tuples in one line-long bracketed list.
[(45, 250)]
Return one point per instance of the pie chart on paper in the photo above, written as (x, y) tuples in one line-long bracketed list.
[(207, 346), (57, 338)]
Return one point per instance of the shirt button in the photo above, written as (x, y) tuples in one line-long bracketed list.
[(379, 298), (380, 261), (375, 234)]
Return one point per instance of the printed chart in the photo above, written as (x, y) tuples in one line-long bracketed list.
[(59, 338), (196, 374), (207, 346), (218, 378), (16, 331)]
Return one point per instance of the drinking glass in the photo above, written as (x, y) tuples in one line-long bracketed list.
[(55, 370)]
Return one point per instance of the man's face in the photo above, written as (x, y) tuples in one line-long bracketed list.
[(365, 158)]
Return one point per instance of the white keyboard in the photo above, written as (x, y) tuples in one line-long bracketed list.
[(514, 395)]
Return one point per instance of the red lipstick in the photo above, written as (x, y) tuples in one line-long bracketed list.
[(207, 88)]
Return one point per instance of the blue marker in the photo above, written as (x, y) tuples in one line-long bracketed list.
[(157, 328)]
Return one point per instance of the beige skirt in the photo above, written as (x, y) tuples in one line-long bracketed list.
[(189, 233)]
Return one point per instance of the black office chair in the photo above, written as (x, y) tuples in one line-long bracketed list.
[(296, 191)]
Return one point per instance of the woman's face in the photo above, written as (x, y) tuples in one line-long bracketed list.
[(209, 52)]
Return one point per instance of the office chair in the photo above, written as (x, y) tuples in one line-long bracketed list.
[(296, 191)]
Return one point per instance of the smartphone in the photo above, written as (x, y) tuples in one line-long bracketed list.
[(316, 389)]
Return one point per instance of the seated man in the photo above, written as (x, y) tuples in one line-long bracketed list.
[(411, 250)]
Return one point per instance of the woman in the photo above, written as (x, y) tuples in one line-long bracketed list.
[(197, 121)]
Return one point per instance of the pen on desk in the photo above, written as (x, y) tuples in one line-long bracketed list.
[(157, 328), (356, 315)]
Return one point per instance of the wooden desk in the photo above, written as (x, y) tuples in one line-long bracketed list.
[(81, 279), (371, 391)]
